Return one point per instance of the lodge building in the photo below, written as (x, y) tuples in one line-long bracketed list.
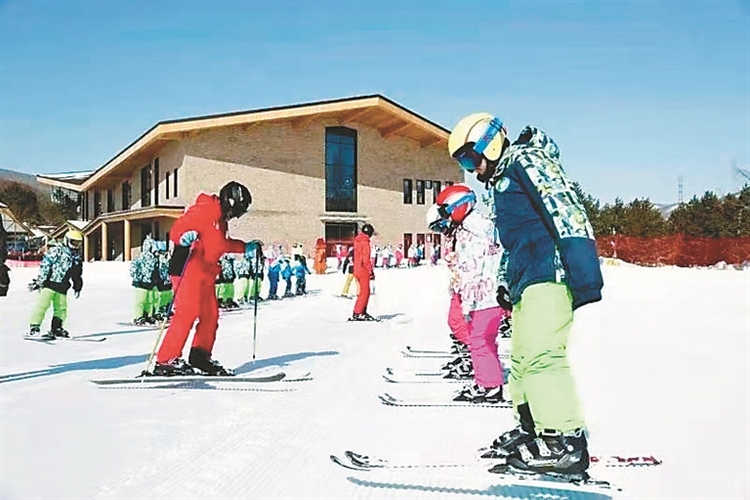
[(319, 169)]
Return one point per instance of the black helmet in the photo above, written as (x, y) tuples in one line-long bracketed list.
[(368, 229), (235, 200)]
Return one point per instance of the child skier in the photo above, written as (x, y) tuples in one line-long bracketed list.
[(257, 265), (242, 279), (474, 315), (273, 277), (348, 269), (60, 267), (143, 270), (163, 292), (200, 239), (300, 270), (286, 275), (552, 269), (225, 283)]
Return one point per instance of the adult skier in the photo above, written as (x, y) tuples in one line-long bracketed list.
[(61, 266), (363, 273), (552, 269), (200, 239), (474, 314)]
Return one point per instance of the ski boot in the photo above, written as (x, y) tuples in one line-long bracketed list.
[(362, 317), (553, 452), (505, 444), (474, 393), (141, 321), (461, 371), (34, 331), (201, 360), (57, 329), (506, 328), (174, 368)]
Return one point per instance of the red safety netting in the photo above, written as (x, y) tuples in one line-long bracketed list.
[(675, 250)]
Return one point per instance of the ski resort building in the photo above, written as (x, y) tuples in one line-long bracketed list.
[(315, 170)]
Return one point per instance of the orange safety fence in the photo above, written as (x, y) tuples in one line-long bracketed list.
[(678, 250)]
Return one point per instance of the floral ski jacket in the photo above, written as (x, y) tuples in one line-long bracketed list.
[(474, 262)]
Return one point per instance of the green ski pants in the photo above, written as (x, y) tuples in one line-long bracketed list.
[(142, 305), (539, 372), (241, 289), (47, 296)]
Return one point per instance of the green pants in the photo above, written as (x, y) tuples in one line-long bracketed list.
[(47, 296), (255, 289), (539, 372), (142, 305), (224, 291), (165, 297), (241, 289)]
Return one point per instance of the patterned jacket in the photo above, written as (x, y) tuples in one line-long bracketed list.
[(541, 222), (242, 267), (474, 263), (226, 275), (144, 268), (59, 268)]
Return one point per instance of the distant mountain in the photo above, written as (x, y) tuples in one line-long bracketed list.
[(28, 179), (665, 209)]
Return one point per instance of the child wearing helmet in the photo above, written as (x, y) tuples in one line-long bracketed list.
[(551, 269), (61, 266), (143, 269), (474, 315), (199, 237)]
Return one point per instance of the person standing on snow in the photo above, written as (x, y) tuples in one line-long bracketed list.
[(143, 269), (60, 267), (363, 273), (4, 271), (474, 315), (552, 269), (200, 239)]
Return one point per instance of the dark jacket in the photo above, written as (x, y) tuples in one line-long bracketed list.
[(541, 222)]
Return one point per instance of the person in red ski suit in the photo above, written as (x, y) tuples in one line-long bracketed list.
[(200, 239), (363, 273)]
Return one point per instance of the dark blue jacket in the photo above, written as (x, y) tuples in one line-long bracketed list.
[(542, 223)]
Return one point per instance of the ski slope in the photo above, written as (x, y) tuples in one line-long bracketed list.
[(661, 365)]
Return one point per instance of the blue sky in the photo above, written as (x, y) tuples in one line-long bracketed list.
[(637, 94)]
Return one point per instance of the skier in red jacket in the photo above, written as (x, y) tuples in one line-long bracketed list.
[(200, 239), (363, 273)]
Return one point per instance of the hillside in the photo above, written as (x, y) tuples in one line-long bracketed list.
[(27, 179)]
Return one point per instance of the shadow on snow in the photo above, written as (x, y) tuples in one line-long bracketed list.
[(93, 364), (280, 361)]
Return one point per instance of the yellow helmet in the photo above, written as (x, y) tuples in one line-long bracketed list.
[(74, 239), (474, 136)]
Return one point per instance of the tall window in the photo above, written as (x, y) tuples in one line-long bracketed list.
[(166, 185), (156, 181), (420, 192), (436, 188), (174, 185), (146, 186), (341, 169), (85, 205), (407, 191), (97, 203), (126, 195), (110, 200)]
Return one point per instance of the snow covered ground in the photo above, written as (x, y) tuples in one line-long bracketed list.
[(661, 363)]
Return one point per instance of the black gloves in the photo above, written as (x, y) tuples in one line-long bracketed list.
[(34, 285), (503, 298)]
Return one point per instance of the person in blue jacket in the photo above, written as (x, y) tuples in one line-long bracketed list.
[(300, 271), (550, 268), (286, 275), (274, 271)]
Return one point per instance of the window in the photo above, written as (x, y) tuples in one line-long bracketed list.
[(146, 186), (126, 195), (407, 192), (174, 184), (97, 203), (420, 192), (435, 190), (339, 234), (166, 185), (341, 169), (85, 205), (110, 200), (156, 181)]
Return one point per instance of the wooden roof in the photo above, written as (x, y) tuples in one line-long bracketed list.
[(377, 111)]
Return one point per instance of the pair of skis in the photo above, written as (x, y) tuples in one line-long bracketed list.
[(490, 470), (203, 381), (51, 340)]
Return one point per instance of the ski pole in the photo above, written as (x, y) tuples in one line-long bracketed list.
[(151, 356), (256, 287)]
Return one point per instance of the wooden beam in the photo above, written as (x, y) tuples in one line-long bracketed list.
[(353, 115), (430, 141), (394, 129)]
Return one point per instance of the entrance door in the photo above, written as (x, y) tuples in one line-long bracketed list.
[(339, 234)]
